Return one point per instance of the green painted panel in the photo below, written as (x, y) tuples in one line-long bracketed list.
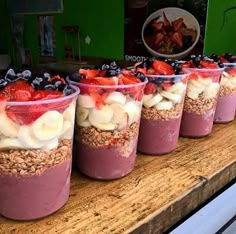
[(102, 21), (220, 29)]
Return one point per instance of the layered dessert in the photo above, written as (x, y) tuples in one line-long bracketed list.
[(162, 106), (226, 105), (107, 121), (201, 96), (37, 114)]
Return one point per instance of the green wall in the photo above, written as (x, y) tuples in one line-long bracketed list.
[(221, 31), (101, 20)]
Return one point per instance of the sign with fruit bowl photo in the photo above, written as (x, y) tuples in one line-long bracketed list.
[(165, 28)]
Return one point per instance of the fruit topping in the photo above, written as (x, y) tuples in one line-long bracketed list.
[(167, 37)]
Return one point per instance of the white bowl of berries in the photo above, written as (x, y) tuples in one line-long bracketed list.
[(170, 33)]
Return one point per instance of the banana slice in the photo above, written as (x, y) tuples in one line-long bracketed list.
[(116, 97), (48, 126), (86, 101), (104, 126), (103, 115), (153, 101), (196, 86), (8, 128), (69, 113), (10, 143), (175, 98), (123, 124), (119, 113), (164, 105), (224, 81), (67, 131), (212, 90), (133, 109), (192, 95), (85, 124), (204, 81), (176, 88), (27, 138), (52, 144), (194, 89), (233, 81), (147, 97), (81, 114)]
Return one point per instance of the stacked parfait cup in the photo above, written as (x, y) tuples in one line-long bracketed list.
[(107, 121), (36, 136)]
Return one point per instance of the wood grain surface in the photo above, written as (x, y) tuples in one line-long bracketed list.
[(157, 194)]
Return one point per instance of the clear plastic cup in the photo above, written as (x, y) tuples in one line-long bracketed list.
[(226, 104), (161, 113), (200, 102), (107, 127), (35, 156)]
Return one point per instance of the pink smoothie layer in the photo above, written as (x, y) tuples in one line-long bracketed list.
[(225, 109), (33, 197), (104, 163), (158, 136), (193, 125)]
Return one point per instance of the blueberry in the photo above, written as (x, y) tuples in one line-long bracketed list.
[(61, 87), (49, 87), (75, 76), (56, 83), (113, 65), (141, 76), (3, 83), (105, 67), (67, 90)]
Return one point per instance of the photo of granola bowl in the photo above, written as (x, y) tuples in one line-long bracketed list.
[(170, 33)]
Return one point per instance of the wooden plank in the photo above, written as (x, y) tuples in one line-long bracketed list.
[(157, 194)]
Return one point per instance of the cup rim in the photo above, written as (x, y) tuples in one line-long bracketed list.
[(48, 101), (74, 83), (204, 69), (230, 64), (168, 76)]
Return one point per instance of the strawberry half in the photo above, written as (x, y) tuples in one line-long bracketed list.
[(157, 25), (177, 23), (88, 73), (165, 20), (158, 38), (177, 38), (88, 89), (208, 64), (150, 88), (162, 68)]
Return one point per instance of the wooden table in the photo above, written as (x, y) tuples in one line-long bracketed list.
[(156, 195)]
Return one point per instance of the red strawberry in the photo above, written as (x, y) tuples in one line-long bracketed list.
[(177, 39), (57, 77), (18, 91), (150, 88), (158, 38), (163, 68), (105, 81), (193, 76), (232, 72), (177, 24), (166, 21), (88, 73), (46, 95), (88, 89), (157, 25), (208, 64), (3, 102), (150, 71), (166, 85), (25, 115)]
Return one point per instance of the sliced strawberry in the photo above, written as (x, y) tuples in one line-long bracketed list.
[(186, 65), (25, 115), (105, 81), (46, 95), (88, 89), (177, 23), (231, 72), (166, 85), (157, 25), (193, 76), (158, 38), (163, 68), (3, 103), (18, 91), (129, 79), (150, 88), (88, 73), (208, 64), (57, 77), (151, 71), (165, 20), (177, 39)]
